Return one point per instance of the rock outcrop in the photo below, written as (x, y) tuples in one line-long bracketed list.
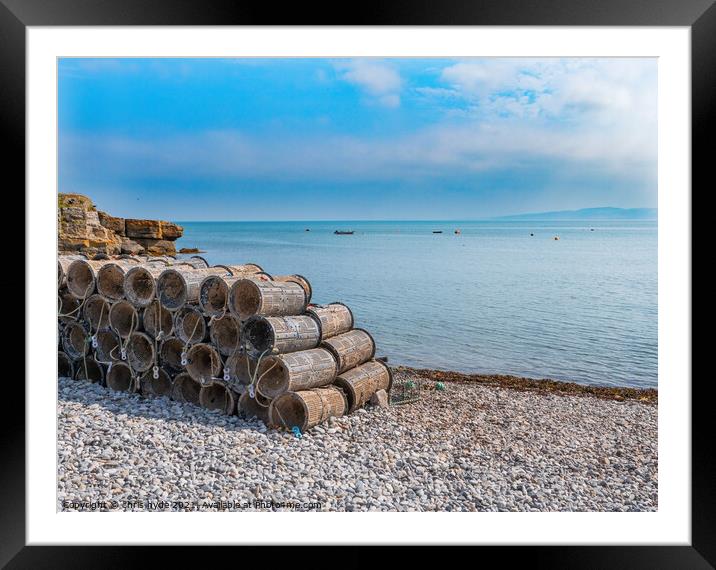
[(81, 227)]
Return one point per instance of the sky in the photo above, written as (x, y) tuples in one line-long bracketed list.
[(353, 139)]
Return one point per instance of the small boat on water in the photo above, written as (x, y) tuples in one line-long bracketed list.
[(458, 231), (437, 231), (344, 232)]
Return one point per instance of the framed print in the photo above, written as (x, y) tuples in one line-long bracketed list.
[(423, 277)]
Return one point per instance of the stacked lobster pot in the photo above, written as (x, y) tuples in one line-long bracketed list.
[(227, 337)]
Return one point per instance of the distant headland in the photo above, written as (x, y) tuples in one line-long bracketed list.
[(588, 214)]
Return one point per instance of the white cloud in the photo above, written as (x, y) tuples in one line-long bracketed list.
[(576, 89), (376, 78)]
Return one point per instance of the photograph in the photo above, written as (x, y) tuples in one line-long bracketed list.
[(348, 284)]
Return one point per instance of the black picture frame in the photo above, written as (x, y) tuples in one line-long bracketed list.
[(699, 15)]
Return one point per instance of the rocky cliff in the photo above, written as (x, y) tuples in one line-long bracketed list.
[(81, 227)]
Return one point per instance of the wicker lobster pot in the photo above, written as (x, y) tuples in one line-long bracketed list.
[(69, 305), (124, 319), (296, 371), (225, 334), (217, 396), (254, 407), (170, 353), (110, 278), (240, 365), (308, 408), (160, 386), (190, 325), (63, 262), (186, 389), (96, 312), (335, 318), (282, 334), (89, 369), (214, 289), (65, 367), (140, 283), (203, 362), (296, 278), (156, 319), (249, 297), (140, 352), (75, 339), (361, 382), (120, 377), (107, 348), (81, 275), (178, 286), (350, 349)]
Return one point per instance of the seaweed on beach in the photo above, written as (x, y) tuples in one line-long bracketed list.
[(546, 386)]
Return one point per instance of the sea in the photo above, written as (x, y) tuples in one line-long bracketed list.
[(494, 297)]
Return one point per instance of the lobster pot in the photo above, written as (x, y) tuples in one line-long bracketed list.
[(249, 297), (96, 312), (214, 289), (124, 319), (81, 276), (282, 334), (140, 283), (120, 377), (159, 386), (196, 261), (75, 339), (170, 353), (63, 262), (65, 368), (254, 407), (335, 318), (295, 278), (350, 349), (186, 389), (107, 348), (140, 352), (240, 365), (307, 408), (155, 319), (190, 325), (68, 304), (361, 382), (89, 369), (296, 371), (178, 286), (110, 278), (203, 363), (225, 334), (217, 396)]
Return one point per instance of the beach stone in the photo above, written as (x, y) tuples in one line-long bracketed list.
[(380, 399)]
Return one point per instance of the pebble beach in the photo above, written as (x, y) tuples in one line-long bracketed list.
[(479, 444)]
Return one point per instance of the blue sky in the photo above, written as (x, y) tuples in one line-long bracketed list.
[(283, 139)]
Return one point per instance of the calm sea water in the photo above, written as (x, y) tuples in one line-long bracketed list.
[(493, 299)]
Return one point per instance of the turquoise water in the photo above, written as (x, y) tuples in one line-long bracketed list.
[(493, 299)]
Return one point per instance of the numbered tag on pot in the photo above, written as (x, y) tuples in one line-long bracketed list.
[(227, 376), (123, 354), (155, 372), (183, 358), (94, 341), (252, 393)]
